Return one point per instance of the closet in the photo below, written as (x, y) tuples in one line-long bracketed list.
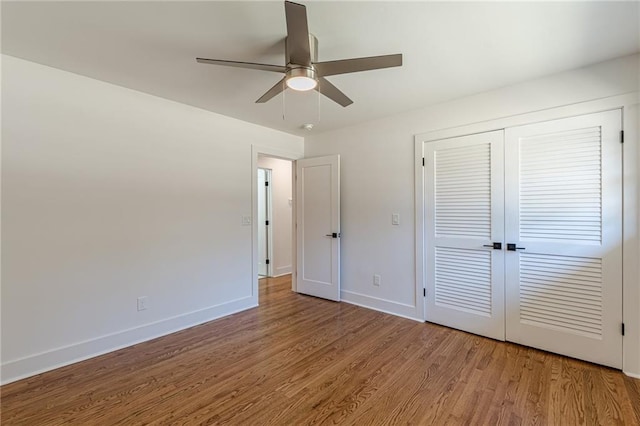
[(523, 235)]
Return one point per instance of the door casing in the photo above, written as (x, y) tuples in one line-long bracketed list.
[(265, 213), (257, 150)]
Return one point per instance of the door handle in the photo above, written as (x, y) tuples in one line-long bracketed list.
[(495, 246), (512, 247), (333, 235)]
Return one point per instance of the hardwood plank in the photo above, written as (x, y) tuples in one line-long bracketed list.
[(301, 360)]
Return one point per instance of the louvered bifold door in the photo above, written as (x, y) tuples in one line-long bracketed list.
[(563, 187), (464, 206)]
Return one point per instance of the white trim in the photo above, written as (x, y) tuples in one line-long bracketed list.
[(269, 200), (381, 305), (285, 155), (268, 214), (631, 238), (635, 376), (630, 104), (45, 361), (554, 113), (282, 270), (420, 272), (294, 228)]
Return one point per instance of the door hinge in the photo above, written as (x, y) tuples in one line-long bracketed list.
[(622, 329), (422, 161), (266, 262), (621, 136), (424, 292), (267, 222)]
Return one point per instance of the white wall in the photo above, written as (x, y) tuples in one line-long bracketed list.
[(109, 194), (378, 179), (281, 194)]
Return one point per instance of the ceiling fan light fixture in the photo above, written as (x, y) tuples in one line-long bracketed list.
[(301, 79)]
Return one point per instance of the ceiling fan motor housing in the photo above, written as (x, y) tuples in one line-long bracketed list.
[(313, 49), (300, 71)]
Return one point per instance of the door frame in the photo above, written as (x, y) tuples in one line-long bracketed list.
[(630, 105), (256, 150), (268, 199)]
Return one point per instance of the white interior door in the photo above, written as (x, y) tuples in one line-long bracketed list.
[(318, 226), (564, 215), (463, 218)]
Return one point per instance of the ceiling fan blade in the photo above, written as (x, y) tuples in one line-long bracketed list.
[(248, 65), (298, 50), (332, 92), (346, 66), (277, 88)]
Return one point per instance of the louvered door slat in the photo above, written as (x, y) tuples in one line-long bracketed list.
[(461, 284), (584, 294), (590, 307), (573, 152), (463, 167)]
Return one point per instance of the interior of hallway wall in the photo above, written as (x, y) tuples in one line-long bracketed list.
[(377, 177), (108, 195), (281, 208)]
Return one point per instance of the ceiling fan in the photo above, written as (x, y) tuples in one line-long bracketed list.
[(303, 71)]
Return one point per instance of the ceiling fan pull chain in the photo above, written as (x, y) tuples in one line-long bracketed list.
[(319, 96)]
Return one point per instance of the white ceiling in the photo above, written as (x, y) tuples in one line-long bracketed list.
[(450, 49)]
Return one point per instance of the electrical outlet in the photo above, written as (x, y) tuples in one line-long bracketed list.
[(143, 303), (376, 280)]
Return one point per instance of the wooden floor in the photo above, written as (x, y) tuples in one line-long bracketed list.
[(299, 360)]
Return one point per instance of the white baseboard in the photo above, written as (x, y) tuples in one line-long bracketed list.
[(634, 375), (282, 270), (382, 305), (60, 357)]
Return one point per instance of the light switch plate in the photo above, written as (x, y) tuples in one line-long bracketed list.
[(395, 219), (376, 280), (246, 220), (143, 303)]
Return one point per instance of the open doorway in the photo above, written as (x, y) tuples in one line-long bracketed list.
[(274, 217), (305, 233)]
